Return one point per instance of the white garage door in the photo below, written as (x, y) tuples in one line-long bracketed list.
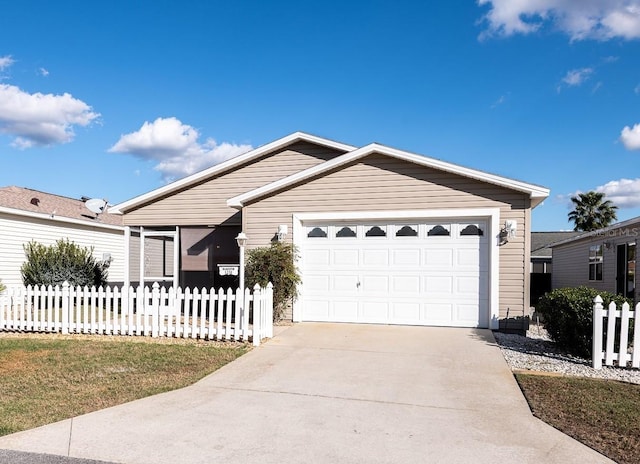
[(420, 273)]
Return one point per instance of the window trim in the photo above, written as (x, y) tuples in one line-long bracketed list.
[(596, 262)]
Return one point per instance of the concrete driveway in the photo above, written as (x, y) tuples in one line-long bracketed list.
[(329, 393)]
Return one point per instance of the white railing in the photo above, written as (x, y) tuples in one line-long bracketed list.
[(615, 333), (156, 312)]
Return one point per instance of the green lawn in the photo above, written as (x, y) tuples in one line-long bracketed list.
[(44, 379), (603, 414)]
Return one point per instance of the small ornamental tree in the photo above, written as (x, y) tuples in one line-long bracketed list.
[(568, 316), (275, 264), (63, 261)]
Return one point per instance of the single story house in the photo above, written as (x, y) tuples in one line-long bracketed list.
[(384, 235), (541, 260), (29, 215), (604, 259)]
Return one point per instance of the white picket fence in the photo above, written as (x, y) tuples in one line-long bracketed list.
[(155, 312), (622, 357)]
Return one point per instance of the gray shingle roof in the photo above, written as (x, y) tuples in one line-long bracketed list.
[(540, 241), (25, 199)]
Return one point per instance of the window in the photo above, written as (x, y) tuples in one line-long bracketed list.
[(472, 229), (317, 232), (439, 230), (595, 262), (407, 231), (346, 231), (376, 231)]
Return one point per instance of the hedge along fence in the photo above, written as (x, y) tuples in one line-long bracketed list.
[(615, 333), (156, 312)]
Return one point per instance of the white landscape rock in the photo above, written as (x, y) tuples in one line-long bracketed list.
[(536, 352)]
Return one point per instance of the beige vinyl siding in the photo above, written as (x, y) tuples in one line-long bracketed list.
[(380, 183), (571, 260), (206, 203), (16, 230)]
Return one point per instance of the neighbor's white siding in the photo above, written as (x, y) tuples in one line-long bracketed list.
[(16, 230)]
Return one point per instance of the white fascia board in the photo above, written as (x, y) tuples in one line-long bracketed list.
[(62, 219), (227, 165), (535, 192)]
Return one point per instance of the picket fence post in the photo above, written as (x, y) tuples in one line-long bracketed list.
[(257, 315), (635, 359), (65, 307)]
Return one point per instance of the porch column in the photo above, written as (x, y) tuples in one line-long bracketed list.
[(127, 256), (141, 256), (176, 258)]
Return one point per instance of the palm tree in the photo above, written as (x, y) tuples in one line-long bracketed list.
[(592, 211)]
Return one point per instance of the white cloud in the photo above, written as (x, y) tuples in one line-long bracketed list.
[(581, 20), (636, 90), (175, 147), (624, 193), (41, 119), (43, 72), (630, 137), (577, 77), (500, 101), (6, 62)]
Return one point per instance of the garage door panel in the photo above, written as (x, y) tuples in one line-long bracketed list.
[(438, 284), (316, 310), (438, 259), (408, 257), (345, 310), (316, 283), (375, 311), (467, 312), (438, 312), (406, 311), (345, 283), (315, 258), (375, 284), (343, 257), (467, 258), (375, 258), (407, 284)]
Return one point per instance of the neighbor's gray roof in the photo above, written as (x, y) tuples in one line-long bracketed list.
[(34, 201), (541, 241)]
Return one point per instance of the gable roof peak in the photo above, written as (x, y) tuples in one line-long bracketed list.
[(230, 164)]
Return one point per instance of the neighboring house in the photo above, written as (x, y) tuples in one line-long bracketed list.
[(604, 259), (384, 235), (541, 260), (29, 215)]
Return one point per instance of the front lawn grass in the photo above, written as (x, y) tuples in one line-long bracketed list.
[(602, 414), (49, 378)]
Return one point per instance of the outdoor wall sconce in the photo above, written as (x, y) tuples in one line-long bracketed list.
[(508, 231), (282, 232), (242, 242)]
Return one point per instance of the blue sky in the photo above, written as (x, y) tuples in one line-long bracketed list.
[(113, 99)]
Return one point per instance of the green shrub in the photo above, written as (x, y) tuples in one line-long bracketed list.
[(2, 286), (568, 316), (64, 261), (275, 264)]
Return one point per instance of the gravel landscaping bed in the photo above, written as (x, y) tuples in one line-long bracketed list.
[(536, 352)]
